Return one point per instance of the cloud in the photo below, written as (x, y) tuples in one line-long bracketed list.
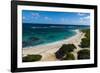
[(87, 17), (81, 14), (47, 18), (23, 17), (64, 20), (35, 15), (84, 20), (81, 20)]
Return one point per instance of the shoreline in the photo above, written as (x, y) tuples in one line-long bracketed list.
[(47, 51), (77, 31)]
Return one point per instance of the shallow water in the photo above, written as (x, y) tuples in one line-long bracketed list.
[(36, 34)]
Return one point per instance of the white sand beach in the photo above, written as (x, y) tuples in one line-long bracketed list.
[(47, 51)]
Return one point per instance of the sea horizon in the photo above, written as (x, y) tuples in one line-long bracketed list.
[(56, 24)]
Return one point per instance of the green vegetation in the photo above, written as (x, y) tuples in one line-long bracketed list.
[(32, 58), (85, 42), (84, 54), (66, 48), (69, 56)]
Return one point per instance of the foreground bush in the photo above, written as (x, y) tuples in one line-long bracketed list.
[(66, 48), (84, 54), (69, 56), (31, 58)]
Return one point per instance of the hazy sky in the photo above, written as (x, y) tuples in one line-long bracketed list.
[(48, 17)]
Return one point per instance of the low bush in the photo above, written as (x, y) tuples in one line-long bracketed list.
[(66, 48), (85, 42), (31, 58), (69, 56), (84, 54)]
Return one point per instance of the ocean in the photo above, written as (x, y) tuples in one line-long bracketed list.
[(36, 34)]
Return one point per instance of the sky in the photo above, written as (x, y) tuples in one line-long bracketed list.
[(49, 17)]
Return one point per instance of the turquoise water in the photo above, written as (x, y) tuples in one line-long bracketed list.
[(36, 34)]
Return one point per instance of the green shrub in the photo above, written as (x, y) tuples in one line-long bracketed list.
[(68, 48), (69, 56), (64, 49), (85, 42), (32, 58), (84, 54)]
